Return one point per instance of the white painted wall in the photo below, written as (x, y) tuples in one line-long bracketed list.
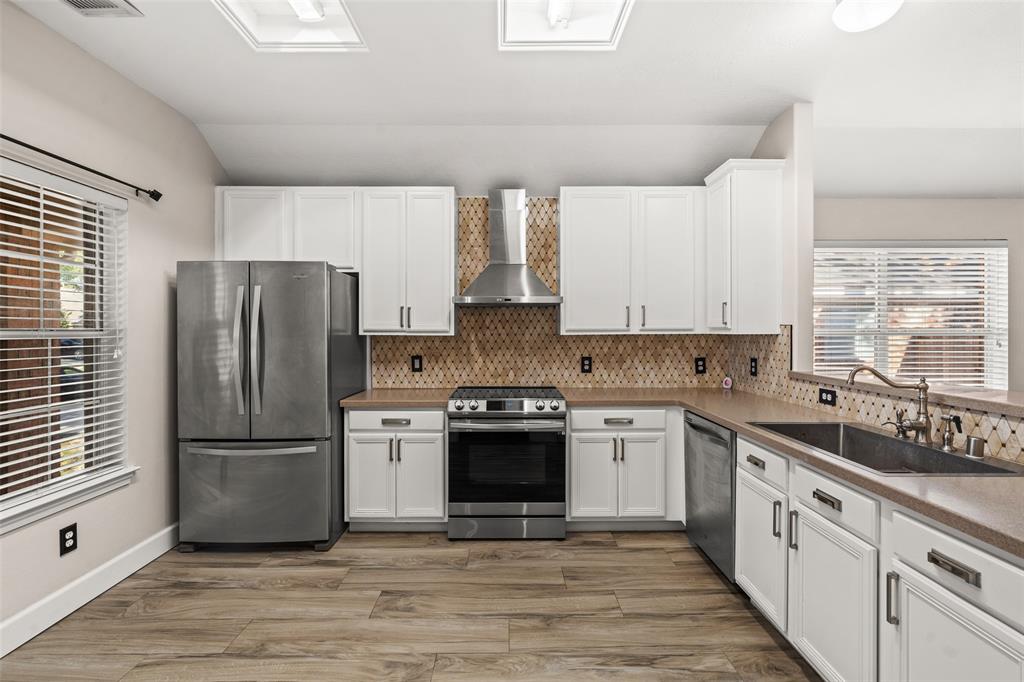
[(59, 98), (883, 218), (791, 137)]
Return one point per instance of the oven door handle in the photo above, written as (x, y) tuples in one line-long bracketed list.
[(520, 425)]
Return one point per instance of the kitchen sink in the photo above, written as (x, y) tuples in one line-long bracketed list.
[(883, 453)]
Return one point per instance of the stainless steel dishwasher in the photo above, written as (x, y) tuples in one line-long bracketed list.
[(711, 490)]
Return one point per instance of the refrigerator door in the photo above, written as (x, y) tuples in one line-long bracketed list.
[(254, 492), (213, 386), (288, 348)]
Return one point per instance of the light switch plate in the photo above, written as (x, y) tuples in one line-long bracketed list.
[(417, 363)]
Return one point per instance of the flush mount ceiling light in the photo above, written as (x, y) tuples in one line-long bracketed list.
[(855, 16), (561, 24), (294, 25)]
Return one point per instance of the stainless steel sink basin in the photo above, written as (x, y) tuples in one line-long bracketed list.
[(883, 453)]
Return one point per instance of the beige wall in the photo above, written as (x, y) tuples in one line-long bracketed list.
[(878, 218), (57, 97)]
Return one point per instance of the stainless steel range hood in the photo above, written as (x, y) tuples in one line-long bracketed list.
[(507, 279)]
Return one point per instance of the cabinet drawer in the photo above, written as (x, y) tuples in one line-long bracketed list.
[(762, 463), (617, 420), (408, 420), (970, 572), (837, 502)]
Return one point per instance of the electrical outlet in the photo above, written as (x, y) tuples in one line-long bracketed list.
[(68, 539), (753, 367), (826, 396), (700, 365), (417, 363), (586, 364)]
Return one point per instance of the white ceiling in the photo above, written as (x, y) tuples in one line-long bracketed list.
[(935, 98)]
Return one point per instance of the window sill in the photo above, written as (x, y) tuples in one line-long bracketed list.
[(1009, 403), (29, 511)]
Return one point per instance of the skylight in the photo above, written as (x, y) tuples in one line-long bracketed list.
[(561, 24), (294, 25)]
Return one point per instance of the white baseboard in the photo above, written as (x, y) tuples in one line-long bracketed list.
[(33, 619)]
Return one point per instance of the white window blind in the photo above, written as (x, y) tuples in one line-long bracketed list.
[(913, 309), (62, 336)]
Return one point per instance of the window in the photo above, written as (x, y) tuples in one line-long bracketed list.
[(62, 335), (913, 309)]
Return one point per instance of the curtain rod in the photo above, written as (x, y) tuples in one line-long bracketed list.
[(151, 193)]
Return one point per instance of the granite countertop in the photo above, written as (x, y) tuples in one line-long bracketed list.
[(989, 508)]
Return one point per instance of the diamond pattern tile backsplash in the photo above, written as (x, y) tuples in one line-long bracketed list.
[(522, 346)]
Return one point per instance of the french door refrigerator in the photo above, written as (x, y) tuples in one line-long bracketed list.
[(265, 351)]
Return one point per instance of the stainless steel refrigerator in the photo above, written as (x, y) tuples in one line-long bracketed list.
[(265, 351)]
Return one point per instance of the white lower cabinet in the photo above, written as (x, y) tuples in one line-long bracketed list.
[(419, 460), (761, 549), (617, 475), (371, 475), (833, 583), (943, 637)]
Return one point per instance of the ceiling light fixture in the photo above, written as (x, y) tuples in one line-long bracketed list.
[(559, 13), (854, 16), (308, 10)]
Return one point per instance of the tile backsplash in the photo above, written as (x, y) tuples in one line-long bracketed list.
[(522, 346)]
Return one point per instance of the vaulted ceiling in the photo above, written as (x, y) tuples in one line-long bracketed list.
[(930, 103)]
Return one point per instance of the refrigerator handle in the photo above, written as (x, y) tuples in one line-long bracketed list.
[(236, 349), (254, 351)]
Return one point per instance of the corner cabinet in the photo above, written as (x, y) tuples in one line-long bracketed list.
[(408, 261), (743, 282), (627, 257), (289, 223)]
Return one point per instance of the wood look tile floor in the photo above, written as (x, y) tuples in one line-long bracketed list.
[(387, 606)]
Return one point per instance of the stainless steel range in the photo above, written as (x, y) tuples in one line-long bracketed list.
[(506, 462)]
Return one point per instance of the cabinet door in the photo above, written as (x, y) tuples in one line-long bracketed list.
[(594, 475), (761, 553), (371, 476), (326, 225), (663, 272), (430, 254), (420, 475), (756, 218), (642, 474), (255, 224), (382, 285), (942, 637), (595, 244), (719, 255), (833, 579)]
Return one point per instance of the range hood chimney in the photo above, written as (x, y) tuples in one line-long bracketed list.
[(507, 280)]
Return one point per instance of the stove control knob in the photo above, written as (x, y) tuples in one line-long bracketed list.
[(473, 404), (459, 404), (539, 405), (554, 405)]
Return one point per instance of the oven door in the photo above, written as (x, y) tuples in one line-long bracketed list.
[(506, 467)]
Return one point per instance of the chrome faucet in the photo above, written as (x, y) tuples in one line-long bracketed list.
[(921, 425)]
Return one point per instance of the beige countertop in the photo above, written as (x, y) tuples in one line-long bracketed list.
[(990, 508)]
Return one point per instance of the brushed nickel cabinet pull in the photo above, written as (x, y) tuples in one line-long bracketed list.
[(627, 317), (950, 565), (825, 498), (622, 449), (756, 461), (725, 321), (401, 317), (391, 449), (615, 449), (398, 449), (628, 421), (393, 421), (892, 580), (643, 315), (408, 317), (776, 519), (793, 515)]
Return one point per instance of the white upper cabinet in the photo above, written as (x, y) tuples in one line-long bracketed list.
[(627, 259), (744, 247), (408, 262), (289, 223)]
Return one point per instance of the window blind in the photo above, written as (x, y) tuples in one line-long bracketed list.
[(62, 336), (913, 309)]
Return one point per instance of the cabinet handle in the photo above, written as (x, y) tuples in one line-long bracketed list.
[(401, 317), (627, 317), (823, 497), (622, 449), (628, 421), (643, 315), (398, 448), (391, 449), (892, 580), (756, 461), (392, 421), (725, 321), (777, 519), (950, 565), (408, 317), (793, 515), (615, 449)]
